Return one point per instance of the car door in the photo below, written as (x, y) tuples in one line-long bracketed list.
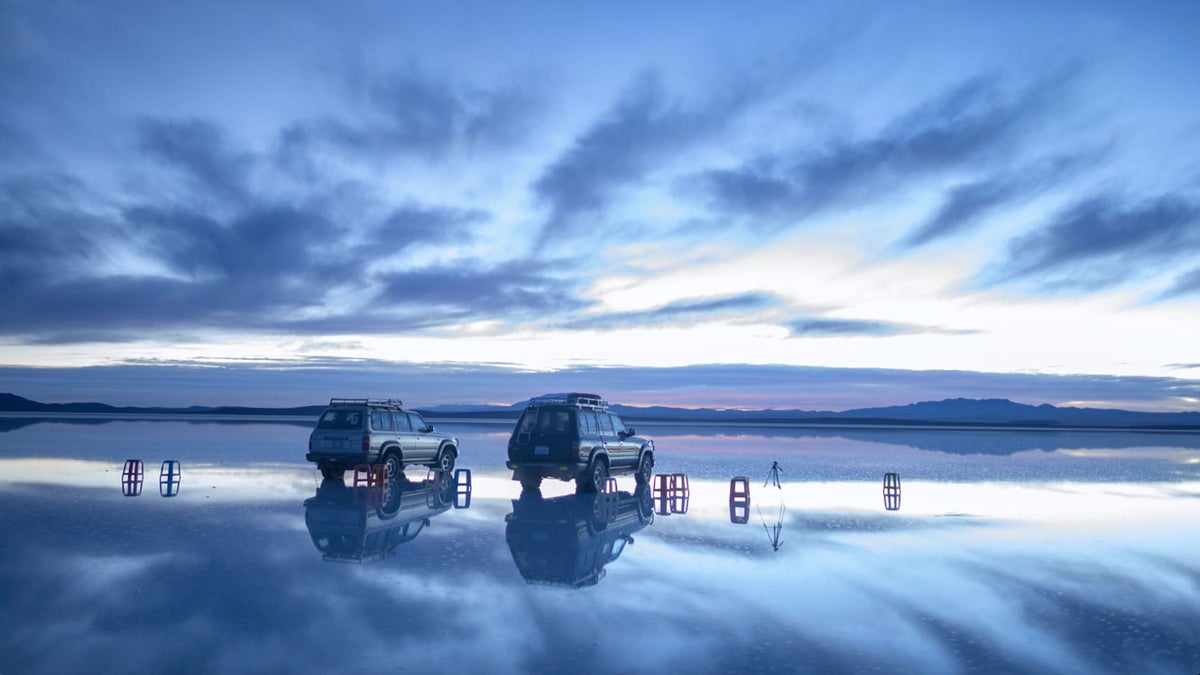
[(628, 448), (426, 441), (612, 444), (382, 430)]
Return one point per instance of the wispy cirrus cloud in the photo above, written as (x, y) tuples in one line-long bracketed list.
[(967, 204), (686, 312), (644, 128), (202, 153), (1186, 284), (409, 112), (1102, 241), (976, 120), (827, 327)]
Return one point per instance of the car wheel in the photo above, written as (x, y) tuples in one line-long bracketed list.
[(391, 460), (446, 460), (531, 483), (597, 475), (333, 474), (645, 469)]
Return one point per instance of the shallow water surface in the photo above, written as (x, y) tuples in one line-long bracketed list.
[(1010, 552)]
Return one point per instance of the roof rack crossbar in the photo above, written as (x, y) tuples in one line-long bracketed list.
[(381, 402)]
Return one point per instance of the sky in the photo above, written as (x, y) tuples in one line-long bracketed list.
[(819, 205)]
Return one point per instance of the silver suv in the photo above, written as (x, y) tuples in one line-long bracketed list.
[(355, 431)]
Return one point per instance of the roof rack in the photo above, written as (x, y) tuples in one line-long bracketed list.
[(573, 398), (393, 403)]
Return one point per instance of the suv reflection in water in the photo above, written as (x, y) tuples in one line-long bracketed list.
[(362, 524), (567, 541)]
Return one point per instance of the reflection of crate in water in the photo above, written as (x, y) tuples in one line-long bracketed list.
[(739, 500), (169, 476), (891, 491), (370, 474), (132, 476), (671, 493), (462, 488)]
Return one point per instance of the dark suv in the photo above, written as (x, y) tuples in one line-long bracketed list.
[(575, 437), (355, 431)]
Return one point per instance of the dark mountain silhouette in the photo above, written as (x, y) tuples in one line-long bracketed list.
[(950, 412)]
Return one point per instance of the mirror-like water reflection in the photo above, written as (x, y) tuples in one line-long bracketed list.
[(1078, 558)]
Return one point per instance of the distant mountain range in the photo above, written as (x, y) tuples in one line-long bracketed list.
[(950, 412)]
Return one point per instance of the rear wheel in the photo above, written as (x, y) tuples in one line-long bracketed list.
[(391, 460), (597, 475), (333, 474)]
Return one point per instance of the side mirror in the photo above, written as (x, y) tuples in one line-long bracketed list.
[(630, 432), (428, 429), (622, 434)]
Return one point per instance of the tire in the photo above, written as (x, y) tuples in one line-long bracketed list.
[(391, 459), (596, 476), (645, 469), (445, 460), (531, 483), (333, 474)]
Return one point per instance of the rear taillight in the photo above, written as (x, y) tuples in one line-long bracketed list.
[(366, 446)]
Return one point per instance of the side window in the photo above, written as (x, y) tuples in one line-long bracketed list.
[(618, 424), (415, 420), (527, 419), (401, 421), (587, 423), (606, 425), (381, 421)]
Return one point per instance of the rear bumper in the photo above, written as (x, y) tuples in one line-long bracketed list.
[(340, 460), (562, 471)]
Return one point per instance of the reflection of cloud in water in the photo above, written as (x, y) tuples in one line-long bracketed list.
[(1064, 585)]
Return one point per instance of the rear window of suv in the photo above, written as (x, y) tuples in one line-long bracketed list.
[(548, 422), (341, 419)]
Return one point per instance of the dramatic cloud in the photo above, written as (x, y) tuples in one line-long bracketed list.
[(1102, 241), (308, 381), (680, 313), (472, 291), (973, 121), (967, 204), (1186, 284), (644, 128), (411, 112), (200, 151), (846, 328)]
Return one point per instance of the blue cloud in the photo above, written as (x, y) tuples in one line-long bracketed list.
[(1185, 284), (201, 151), (637, 133), (967, 204), (975, 121), (846, 327), (408, 112), (1102, 241), (680, 313)]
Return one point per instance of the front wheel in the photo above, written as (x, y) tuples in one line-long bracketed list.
[(445, 460), (645, 469)]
